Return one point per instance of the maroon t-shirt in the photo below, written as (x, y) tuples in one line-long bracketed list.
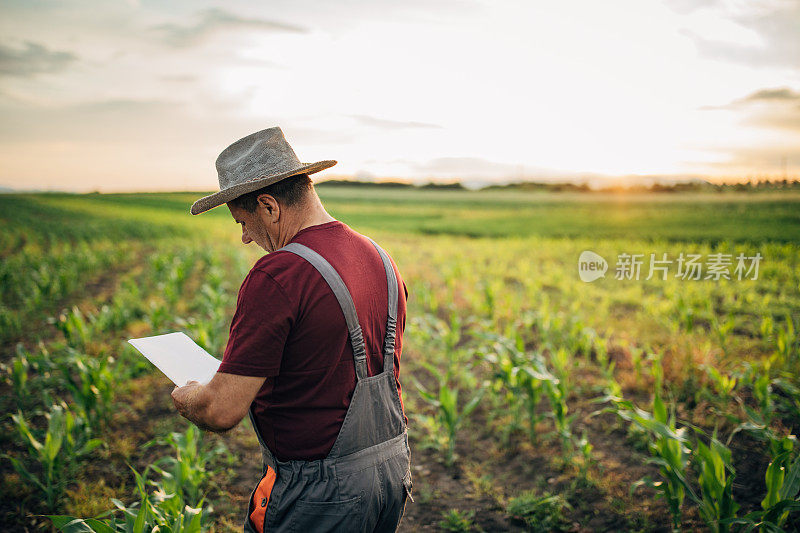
[(289, 327)]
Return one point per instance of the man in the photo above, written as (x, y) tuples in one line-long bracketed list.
[(313, 353)]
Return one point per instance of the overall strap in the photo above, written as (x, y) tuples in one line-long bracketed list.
[(267, 459), (391, 321), (345, 302)]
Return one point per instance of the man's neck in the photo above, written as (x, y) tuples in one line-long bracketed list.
[(313, 215)]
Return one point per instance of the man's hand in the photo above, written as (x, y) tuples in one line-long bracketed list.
[(220, 404), (182, 397)]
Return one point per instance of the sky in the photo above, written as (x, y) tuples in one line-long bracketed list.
[(143, 95)]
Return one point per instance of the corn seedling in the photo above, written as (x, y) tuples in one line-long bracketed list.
[(457, 521), (449, 416), (539, 512), (787, 344), (75, 328), (668, 449), (186, 473), (724, 385), (783, 485), (175, 504), (767, 328), (523, 375), (585, 448), (716, 502), (510, 395), (16, 374), (57, 454), (90, 382), (557, 393), (156, 511), (722, 328), (683, 315)]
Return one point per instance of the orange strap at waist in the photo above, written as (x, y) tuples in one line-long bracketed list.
[(261, 499)]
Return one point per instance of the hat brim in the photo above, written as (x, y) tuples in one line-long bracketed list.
[(222, 197)]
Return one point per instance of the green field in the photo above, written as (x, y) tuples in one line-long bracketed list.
[(536, 401)]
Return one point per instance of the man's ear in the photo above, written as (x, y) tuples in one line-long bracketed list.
[(270, 205)]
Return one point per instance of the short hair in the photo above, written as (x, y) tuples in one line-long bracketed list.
[(288, 191)]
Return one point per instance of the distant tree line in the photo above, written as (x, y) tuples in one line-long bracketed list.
[(390, 184), (690, 186)]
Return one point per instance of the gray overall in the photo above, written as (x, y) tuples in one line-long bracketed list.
[(363, 483)]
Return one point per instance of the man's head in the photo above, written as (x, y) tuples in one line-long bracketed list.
[(266, 213)]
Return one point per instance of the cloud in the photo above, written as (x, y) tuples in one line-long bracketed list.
[(213, 20), (777, 28), (97, 121), (465, 165), (781, 94), (478, 168), (169, 123), (383, 123), (772, 108), (31, 59), (179, 78), (758, 160), (688, 6), (114, 144)]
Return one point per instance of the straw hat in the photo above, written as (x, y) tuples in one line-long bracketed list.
[(252, 162)]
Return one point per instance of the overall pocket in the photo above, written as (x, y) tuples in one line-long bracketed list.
[(344, 515)]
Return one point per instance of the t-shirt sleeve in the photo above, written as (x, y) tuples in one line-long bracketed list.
[(259, 328)]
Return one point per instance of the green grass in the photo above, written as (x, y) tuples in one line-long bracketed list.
[(706, 217), (504, 262)]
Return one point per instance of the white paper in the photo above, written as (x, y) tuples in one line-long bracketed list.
[(178, 357)]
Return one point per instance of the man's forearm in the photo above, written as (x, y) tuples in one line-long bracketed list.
[(220, 404)]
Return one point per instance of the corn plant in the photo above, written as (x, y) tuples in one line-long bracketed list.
[(510, 396), (30, 375), (716, 502), (187, 472), (126, 306), (783, 485), (788, 398), (722, 328), (767, 327), (600, 346), (16, 374), (64, 443), (760, 379), (159, 316), (724, 385), (90, 381), (556, 391), (449, 417), (787, 345), (155, 511), (523, 376), (457, 521), (75, 327), (10, 322), (780, 484), (585, 448), (539, 512), (176, 502), (684, 314), (636, 359), (668, 448)]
